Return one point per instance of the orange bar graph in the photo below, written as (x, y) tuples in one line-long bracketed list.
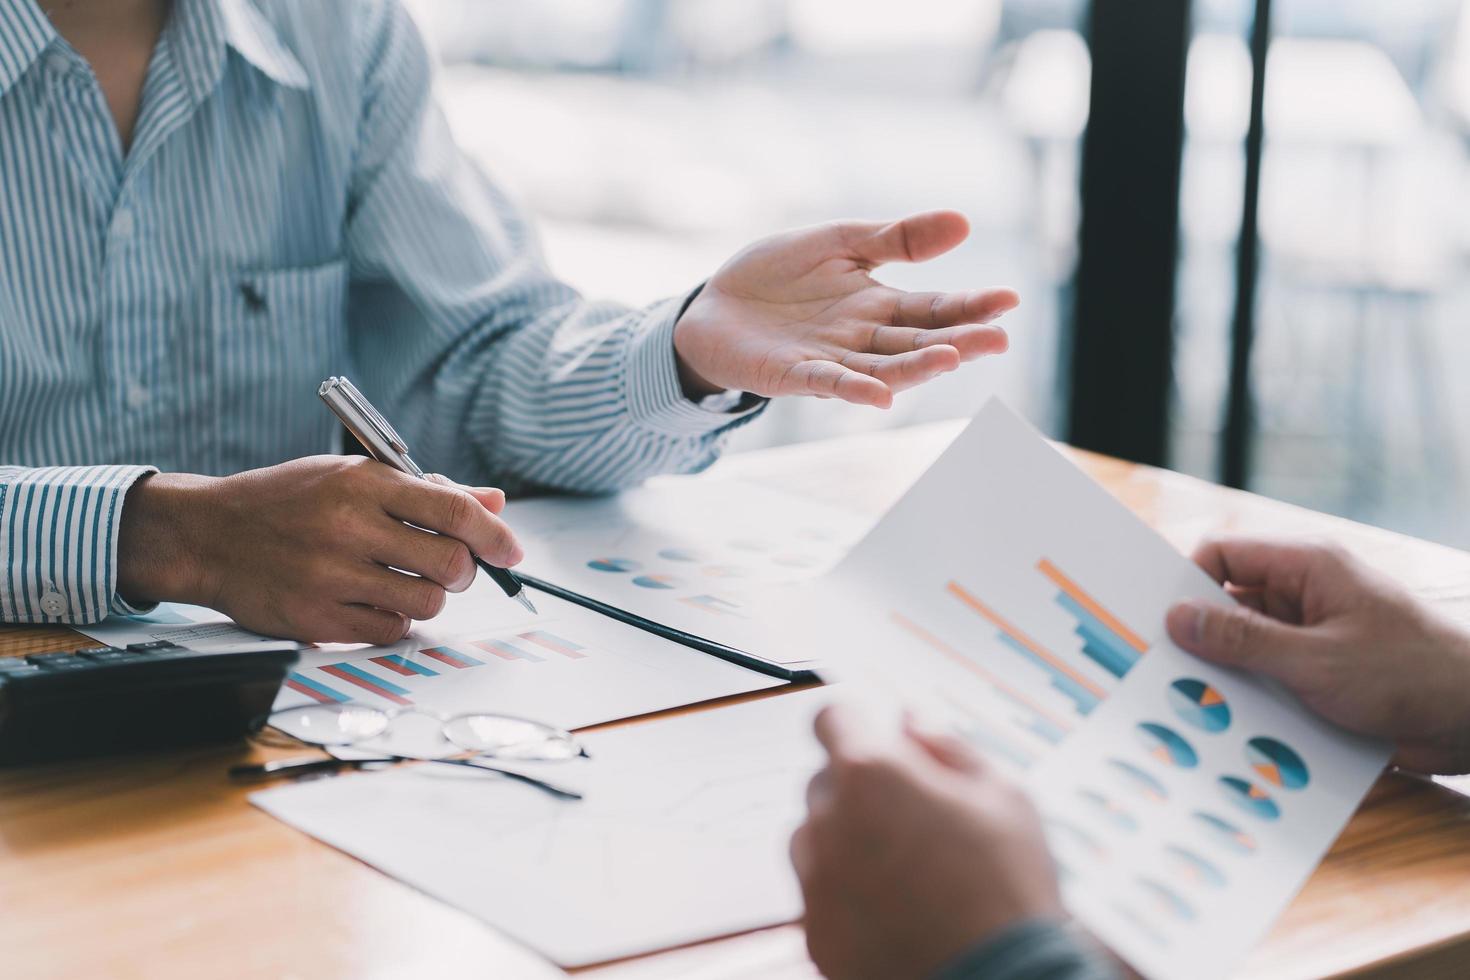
[(975, 668), (1091, 605), (1061, 666)]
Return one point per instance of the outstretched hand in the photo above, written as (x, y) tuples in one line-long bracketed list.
[(799, 314)]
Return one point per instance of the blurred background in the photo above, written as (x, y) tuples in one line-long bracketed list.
[(653, 138)]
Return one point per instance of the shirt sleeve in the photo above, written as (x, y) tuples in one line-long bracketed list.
[(498, 371), (58, 542), (1036, 950)]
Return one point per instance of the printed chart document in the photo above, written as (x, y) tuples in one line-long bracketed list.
[(697, 557), (1010, 595), (682, 834), (568, 667)]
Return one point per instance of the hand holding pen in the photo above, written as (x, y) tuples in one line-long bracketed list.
[(380, 439)]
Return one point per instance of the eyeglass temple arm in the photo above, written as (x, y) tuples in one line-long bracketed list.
[(296, 767), (521, 777), (305, 767)]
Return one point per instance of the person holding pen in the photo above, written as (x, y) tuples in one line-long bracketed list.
[(919, 862), (209, 206)]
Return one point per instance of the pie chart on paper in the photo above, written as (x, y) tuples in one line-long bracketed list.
[(1276, 763), (1199, 704), (1249, 797), (1167, 746), (613, 565)]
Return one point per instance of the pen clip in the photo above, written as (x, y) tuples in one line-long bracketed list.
[(372, 416)]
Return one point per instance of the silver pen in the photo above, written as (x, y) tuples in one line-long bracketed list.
[(387, 446)]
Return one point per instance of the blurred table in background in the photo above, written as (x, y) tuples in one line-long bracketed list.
[(158, 867)]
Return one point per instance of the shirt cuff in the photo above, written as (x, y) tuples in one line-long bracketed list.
[(58, 542), (651, 388), (1039, 949)]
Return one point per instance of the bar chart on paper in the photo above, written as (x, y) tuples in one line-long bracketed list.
[(1042, 689), (573, 668)]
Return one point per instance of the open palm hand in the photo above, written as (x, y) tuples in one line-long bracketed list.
[(799, 314)]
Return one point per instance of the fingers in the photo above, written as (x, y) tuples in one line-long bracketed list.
[(414, 597), (1240, 637), (454, 512), (1252, 562), (916, 238), (846, 733), (946, 749), (970, 341), (903, 371), (363, 624), (930, 311), (437, 557), (491, 498), (832, 379)]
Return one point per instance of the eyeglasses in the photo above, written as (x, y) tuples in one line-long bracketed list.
[(376, 731)]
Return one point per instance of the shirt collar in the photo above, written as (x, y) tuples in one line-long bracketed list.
[(24, 34), (204, 29)]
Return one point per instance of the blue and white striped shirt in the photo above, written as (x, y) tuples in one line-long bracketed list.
[(292, 206)]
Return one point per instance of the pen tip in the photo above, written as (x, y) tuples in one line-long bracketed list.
[(525, 600)]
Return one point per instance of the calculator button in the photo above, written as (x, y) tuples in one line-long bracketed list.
[(110, 656), (61, 661), (52, 657), (154, 646), (15, 664), (23, 671)]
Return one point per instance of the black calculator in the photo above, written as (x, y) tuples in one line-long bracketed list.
[(71, 704)]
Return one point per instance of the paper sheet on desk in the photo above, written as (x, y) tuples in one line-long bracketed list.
[(682, 835), (567, 667), (1010, 595), (699, 555)]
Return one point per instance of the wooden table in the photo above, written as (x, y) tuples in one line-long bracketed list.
[(158, 867)]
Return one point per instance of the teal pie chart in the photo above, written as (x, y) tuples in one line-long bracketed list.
[(1276, 763), (1249, 797), (613, 565), (1166, 745), (1199, 704), (1225, 833)]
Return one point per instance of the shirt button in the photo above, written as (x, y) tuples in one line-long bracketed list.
[(122, 223), (137, 395), (53, 603), (58, 62)]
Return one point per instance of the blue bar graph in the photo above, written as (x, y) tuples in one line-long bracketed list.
[(412, 665), (1109, 650), (1085, 700), (361, 674), (511, 650)]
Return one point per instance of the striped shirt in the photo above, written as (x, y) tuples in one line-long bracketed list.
[(292, 206)]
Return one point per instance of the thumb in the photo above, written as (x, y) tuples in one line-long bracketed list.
[(1236, 636), (949, 750)]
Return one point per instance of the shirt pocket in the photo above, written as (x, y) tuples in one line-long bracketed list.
[(277, 335)]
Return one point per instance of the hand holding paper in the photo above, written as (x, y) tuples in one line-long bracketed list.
[(1353, 645)]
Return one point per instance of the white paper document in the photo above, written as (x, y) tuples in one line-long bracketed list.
[(566, 667), (697, 555), (682, 834), (1010, 595), (189, 626)]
